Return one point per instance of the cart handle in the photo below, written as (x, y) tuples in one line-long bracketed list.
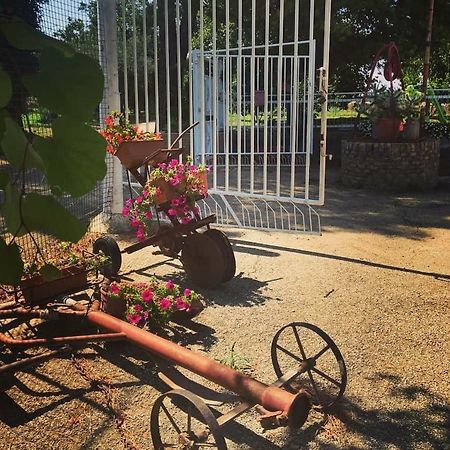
[(189, 128)]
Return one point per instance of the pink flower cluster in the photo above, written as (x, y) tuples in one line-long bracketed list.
[(153, 302)]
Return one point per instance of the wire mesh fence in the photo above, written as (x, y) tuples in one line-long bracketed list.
[(74, 22)]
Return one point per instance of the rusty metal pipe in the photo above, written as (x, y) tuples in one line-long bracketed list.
[(38, 359), (27, 343), (294, 407)]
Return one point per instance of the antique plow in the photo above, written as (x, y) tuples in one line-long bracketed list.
[(309, 366)]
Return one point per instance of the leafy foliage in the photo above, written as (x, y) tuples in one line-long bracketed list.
[(72, 161)]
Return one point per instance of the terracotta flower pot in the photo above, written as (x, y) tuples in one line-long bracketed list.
[(133, 153), (36, 290), (387, 128)]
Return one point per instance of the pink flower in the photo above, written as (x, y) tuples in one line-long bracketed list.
[(139, 199), (185, 220), (148, 215), (187, 292), (146, 315), (181, 305), (137, 308), (172, 212), (175, 180), (135, 223), (175, 202), (147, 295), (165, 304), (173, 163), (145, 193), (125, 211), (170, 284), (114, 289), (129, 203), (140, 235), (135, 319)]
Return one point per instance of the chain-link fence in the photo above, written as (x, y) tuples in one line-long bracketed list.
[(74, 22)]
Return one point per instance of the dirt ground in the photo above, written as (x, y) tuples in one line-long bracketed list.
[(377, 281)]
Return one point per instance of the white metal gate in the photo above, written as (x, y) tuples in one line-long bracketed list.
[(249, 79)]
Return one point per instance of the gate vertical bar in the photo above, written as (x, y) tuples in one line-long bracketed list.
[(324, 92), (239, 98), (202, 85), (214, 93), (279, 93), (125, 59), (227, 95), (155, 60), (135, 64), (266, 93), (166, 39), (190, 62), (180, 113), (252, 101), (144, 39)]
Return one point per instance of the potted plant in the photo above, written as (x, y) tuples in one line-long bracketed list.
[(176, 184), (64, 268), (151, 303), (413, 106), (385, 108), (127, 142)]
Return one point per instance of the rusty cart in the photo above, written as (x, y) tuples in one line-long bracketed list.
[(205, 253), (309, 367)]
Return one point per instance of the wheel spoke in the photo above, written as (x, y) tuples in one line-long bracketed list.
[(299, 343), (321, 353), (171, 420), (314, 386), (327, 377), (289, 353)]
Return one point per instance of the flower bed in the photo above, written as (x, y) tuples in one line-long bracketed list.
[(151, 303)]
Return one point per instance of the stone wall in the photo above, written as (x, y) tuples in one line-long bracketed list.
[(390, 165)]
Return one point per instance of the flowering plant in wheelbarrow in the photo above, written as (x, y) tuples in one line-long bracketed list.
[(152, 303), (119, 130), (176, 184)]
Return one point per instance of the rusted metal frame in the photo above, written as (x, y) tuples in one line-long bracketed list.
[(176, 231), (294, 408), (8, 305), (38, 359), (61, 340)]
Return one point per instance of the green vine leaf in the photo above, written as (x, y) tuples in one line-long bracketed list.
[(24, 37), (43, 213), (75, 157), (11, 210), (5, 88), (14, 144), (70, 86), (11, 263), (49, 272)]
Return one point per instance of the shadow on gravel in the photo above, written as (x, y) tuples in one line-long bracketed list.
[(256, 248), (421, 418)]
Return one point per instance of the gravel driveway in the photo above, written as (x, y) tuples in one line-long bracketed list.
[(377, 281)]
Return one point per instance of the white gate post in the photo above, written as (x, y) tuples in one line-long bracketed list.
[(107, 25)]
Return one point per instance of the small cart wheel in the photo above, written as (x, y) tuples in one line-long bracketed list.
[(181, 420), (108, 246), (203, 260), (325, 376), (227, 251), (169, 245)]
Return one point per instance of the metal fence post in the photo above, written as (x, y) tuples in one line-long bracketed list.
[(107, 25)]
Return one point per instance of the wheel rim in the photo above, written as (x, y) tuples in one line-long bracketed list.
[(181, 420), (326, 377), (203, 260), (227, 251), (109, 247), (168, 245)]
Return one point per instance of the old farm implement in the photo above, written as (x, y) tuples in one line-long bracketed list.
[(207, 256), (308, 364)]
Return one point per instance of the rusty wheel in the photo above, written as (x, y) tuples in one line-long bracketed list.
[(108, 246), (325, 376), (180, 420), (227, 251), (169, 245), (203, 260)]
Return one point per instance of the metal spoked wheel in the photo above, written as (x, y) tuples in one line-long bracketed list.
[(108, 246), (325, 376), (180, 420), (227, 251), (203, 260)]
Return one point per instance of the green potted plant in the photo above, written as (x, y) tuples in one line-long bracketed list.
[(127, 142), (413, 106), (385, 108)]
